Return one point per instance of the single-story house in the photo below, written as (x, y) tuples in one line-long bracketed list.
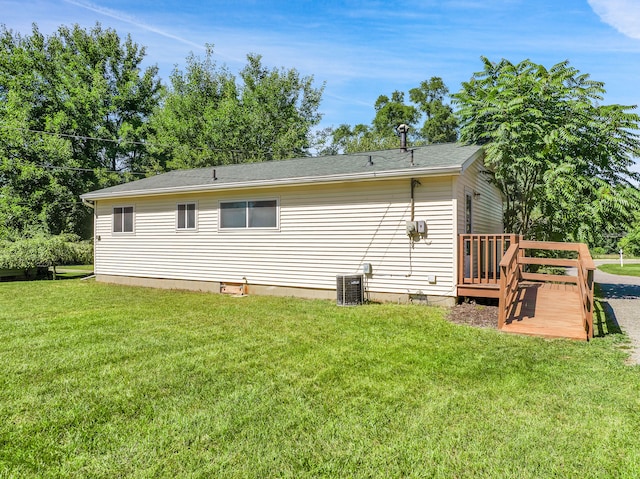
[(293, 227)]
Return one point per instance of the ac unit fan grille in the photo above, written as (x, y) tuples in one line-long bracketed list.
[(349, 290)]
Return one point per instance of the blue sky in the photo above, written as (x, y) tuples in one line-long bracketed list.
[(362, 49)]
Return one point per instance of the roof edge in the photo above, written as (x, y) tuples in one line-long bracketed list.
[(404, 173)]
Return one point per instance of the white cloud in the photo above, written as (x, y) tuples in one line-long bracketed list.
[(122, 17), (623, 15)]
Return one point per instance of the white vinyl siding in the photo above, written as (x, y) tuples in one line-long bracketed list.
[(323, 231), (486, 201)]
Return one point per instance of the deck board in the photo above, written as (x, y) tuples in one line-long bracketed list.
[(547, 309)]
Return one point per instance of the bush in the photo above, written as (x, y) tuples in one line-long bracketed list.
[(45, 251), (630, 244), (82, 252)]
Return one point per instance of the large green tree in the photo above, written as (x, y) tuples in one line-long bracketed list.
[(210, 117), (439, 124), (59, 93), (561, 158)]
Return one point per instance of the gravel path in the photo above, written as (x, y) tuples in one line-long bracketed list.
[(622, 302)]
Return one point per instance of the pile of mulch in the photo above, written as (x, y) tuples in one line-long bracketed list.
[(473, 314)]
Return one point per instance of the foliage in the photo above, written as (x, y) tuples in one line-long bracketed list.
[(630, 244), (439, 126), (44, 251), (392, 112), (110, 381), (361, 138), (56, 93), (209, 117), (560, 157)]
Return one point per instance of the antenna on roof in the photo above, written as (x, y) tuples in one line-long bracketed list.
[(370, 162), (214, 175)]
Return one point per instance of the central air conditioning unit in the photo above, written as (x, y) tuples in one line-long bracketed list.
[(349, 290)]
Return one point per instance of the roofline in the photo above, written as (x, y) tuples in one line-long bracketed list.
[(404, 173)]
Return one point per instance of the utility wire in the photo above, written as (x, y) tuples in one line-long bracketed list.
[(130, 142)]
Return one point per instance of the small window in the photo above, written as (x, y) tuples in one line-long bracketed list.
[(123, 219), (249, 214), (468, 213), (186, 216)]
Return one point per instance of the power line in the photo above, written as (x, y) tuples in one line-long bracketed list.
[(121, 141), (88, 170)]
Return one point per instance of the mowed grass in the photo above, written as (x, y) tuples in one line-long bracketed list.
[(629, 269), (105, 381)]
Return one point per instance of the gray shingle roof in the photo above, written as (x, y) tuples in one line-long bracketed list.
[(431, 159)]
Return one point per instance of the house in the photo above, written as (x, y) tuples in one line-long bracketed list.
[(292, 227)]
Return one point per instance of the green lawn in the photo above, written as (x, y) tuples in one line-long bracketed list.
[(105, 381), (629, 269)]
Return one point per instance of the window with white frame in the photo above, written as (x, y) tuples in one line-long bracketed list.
[(186, 216), (249, 214), (468, 212), (123, 219)]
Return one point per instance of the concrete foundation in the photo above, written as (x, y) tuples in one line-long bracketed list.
[(264, 290)]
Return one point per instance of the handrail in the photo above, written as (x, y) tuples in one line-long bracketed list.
[(479, 256), (586, 268), (509, 279)]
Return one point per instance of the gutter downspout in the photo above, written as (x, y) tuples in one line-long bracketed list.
[(92, 204), (414, 183)]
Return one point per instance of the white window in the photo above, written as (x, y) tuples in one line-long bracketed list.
[(186, 216), (249, 214), (468, 213), (123, 219)]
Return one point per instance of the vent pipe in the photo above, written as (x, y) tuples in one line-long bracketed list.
[(402, 131)]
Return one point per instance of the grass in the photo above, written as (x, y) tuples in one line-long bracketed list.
[(73, 271), (107, 381), (630, 269)]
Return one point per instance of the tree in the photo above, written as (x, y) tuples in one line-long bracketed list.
[(561, 159), (57, 94), (440, 125), (393, 112), (630, 243), (209, 117)]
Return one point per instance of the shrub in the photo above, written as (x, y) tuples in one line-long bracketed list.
[(82, 252), (45, 251), (630, 244)]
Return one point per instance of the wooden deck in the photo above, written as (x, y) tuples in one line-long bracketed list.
[(531, 301), (546, 309)]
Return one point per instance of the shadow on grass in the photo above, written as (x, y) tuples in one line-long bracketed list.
[(605, 322)]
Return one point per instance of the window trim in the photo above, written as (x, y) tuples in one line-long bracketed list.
[(113, 219), (186, 229), (468, 211), (246, 228)]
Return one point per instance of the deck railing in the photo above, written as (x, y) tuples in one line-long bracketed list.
[(510, 275), (514, 267), (480, 255)]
